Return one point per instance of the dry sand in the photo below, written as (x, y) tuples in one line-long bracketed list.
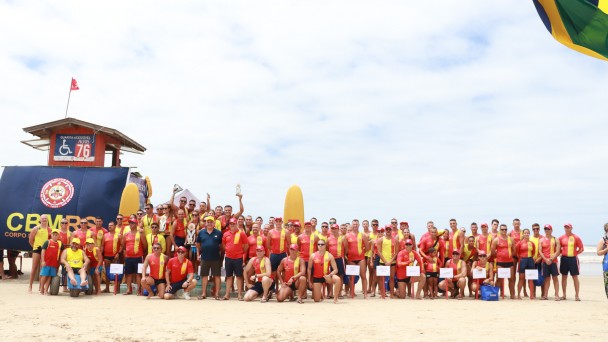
[(32, 317)]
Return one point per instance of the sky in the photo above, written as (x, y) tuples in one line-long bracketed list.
[(418, 110)]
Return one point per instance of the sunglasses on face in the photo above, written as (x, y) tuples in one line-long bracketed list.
[(181, 252), (374, 224), (181, 201), (408, 244), (503, 229), (320, 244), (155, 248)]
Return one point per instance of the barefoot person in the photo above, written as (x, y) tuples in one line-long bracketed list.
[(405, 258), (37, 237), (387, 245), (337, 247), (358, 244), (76, 262), (277, 242), (209, 245), (259, 276), (572, 246), (112, 248), (550, 250), (458, 282), (49, 261), (135, 244), (503, 249), (157, 262), (292, 276), (236, 246), (95, 263), (319, 273), (179, 275), (525, 251)]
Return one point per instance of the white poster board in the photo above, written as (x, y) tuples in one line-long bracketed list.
[(479, 273), (383, 271), (532, 274), (140, 268), (412, 271), (116, 269), (504, 273), (446, 273), (352, 270)]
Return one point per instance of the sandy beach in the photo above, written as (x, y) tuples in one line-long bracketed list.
[(32, 317)]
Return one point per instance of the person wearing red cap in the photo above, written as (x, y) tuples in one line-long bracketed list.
[(337, 246), (358, 243), (307, 243), (571, 247), (405, 258), (550, 250), (387, 247), (322, 269), (405, 235), (277, 242), (458, 282), (483, 264), (260, 282), (49, 261), (135, 244), (503, 249), (236, 246), (179, 275), (483, 242), (292, 276), (157, 262)]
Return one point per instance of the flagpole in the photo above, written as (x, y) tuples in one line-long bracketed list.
[(68, 105)]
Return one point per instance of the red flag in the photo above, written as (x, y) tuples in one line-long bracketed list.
[(74, 85)]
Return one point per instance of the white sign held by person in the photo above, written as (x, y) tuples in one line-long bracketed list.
[(352, 270), (116, 269), (479, 273), (412, 271), (532, 274), (383, 271), (504, 273), (446, 273)]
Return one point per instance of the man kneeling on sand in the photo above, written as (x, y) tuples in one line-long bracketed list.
[(179, 275)]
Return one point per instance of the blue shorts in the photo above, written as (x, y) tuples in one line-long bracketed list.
[(234, 267), (179, 241), (568, 265), (131, 265), (257, 287), (92, 270), (48, 271), (340, 266), (275, 260), (176, 286), (526, 264), (549, 270), (376, 261)]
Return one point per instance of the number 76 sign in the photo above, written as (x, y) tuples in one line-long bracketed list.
[(77, 147)]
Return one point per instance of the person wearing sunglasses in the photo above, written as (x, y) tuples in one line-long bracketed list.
[(179, 275), (483, 264), (307, 243), (459, 281), (503, 248), (358, 244), (337, 246), (322, 269), (386, 247), (525, 252), (157, 262), (550, 250), (112, 247), (292, 276), (324, 234), (259, 277), (134, 242), (277, 242), (407, 257), (236, 246), (149, 217), (83, 232), (369, 260)]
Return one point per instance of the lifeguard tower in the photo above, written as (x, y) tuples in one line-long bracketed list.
[(73, 142)]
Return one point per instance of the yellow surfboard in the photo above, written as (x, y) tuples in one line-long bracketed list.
[(294, 205), (149, 189), (129, 201)]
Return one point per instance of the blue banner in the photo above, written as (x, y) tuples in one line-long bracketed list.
[(70, 192)]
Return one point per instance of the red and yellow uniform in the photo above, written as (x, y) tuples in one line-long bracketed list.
[(504, 250), (83, 236), (291, 267), (133, 245), (427, 243), (147, 223), (307, 246), (52, 251), (278, 241), (234, 242), (179, 270), (97, 235), (356, 249), (432, 264), (456, 266), (260, 266), (255, 241), (455, 240), (180, 228), (469, 253), (111, 244), (336, 246), (516, 236), (548, 247), (525, 249), (152, 239), (157, 266), (93, 255), (65, 238), (320, 266), (484, 243), (405, 259), (570, 244)]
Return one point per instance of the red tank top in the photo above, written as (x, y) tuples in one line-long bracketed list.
[(290, 268), (92, 255), (52, 252), (503, 250), (134, 249), (111, 244), (305, 247), (276, 245), (336, 246), (356, 249), (320, 266), (180, 228), (254, 242), (157, 266), (259, 268)]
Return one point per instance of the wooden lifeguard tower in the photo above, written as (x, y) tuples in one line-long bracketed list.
[(73, 142)]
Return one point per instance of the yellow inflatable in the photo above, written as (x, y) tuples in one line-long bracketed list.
[(294, 205)]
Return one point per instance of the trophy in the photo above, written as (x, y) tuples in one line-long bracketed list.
[(177, 188), (238, 189)]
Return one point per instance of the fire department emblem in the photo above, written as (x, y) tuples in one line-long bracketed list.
[(56, 193)]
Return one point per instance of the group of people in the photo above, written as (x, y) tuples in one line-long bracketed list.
[(289, 259)]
